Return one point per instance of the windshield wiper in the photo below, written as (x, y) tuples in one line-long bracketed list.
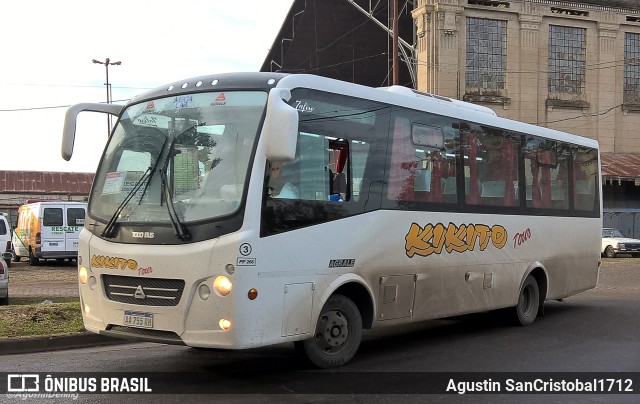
[(109, 229), (178, 226)]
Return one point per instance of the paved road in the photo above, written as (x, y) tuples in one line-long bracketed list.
[(595, 331)]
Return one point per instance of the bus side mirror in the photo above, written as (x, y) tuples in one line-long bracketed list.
[(280, 129), (69, 130)]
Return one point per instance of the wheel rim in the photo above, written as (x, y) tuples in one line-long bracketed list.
[(333, 331), (526, 301)]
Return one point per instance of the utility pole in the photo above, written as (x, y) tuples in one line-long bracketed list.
[(106, 64), (396, 65)]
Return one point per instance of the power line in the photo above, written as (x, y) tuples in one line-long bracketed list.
[(72, 86), (48, 107), (606, 111)]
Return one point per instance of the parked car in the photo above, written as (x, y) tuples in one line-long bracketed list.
[(613, 242), (4, 277), (5, 237)]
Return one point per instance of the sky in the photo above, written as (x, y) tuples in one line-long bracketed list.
[(47, 52)]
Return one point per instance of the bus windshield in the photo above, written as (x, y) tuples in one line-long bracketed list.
[(181, 158)]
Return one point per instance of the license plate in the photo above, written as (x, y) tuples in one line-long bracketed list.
[(138, 319)]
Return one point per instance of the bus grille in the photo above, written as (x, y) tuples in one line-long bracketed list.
[(143, 291)]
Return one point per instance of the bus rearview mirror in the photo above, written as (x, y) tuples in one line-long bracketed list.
[(280, 129), (71, 117)]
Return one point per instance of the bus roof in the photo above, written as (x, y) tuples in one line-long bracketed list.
[(395, 95), (430, 103)]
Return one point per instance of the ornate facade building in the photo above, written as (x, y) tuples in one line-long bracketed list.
[(567, 65)]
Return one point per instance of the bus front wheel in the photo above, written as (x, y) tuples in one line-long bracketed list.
[(528, 302), (338, 334)]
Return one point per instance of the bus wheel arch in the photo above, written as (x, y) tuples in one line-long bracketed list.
[(361, 297), (531, 297)]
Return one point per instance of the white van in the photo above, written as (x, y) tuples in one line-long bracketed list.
[(48, 229), (5, 237)]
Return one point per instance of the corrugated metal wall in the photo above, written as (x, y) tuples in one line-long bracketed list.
[(627, 221)]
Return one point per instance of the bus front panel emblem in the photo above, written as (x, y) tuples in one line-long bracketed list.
[(139, 293)]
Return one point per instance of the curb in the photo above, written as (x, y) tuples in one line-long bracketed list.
[(59, 342)]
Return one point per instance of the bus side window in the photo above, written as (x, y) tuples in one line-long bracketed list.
[(422, 159), (338, 167), (585, 169), (491, 167), (546, 173), (319, 172)]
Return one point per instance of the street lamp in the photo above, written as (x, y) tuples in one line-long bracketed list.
[(106, 64)]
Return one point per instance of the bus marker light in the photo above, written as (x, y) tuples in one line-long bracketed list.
[(253, 293), (230, 269), (224, 324), (92, 283), (204, 292), (82, 275), (222, 285), (87, 309)]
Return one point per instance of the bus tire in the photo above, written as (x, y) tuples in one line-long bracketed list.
[(33, 260), (609, 253), (338, 334), (528, 304)]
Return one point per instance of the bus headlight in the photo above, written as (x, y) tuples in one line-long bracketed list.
[(222, 285), (224, 324), (82, 275)]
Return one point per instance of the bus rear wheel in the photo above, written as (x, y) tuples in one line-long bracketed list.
[(528, 302), (338, 334)]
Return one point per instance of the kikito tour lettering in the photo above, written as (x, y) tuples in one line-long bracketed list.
[(432, 239)]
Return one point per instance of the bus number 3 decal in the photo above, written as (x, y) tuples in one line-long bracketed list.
[(431, 239)]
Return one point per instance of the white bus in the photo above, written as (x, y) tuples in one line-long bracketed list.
[(241, 210)]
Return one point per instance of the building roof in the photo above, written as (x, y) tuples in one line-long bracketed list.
[(55, 183), (620, 165)]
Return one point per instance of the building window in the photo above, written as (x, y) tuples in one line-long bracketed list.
[(566, 59), (631, 68), (486, 54)]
